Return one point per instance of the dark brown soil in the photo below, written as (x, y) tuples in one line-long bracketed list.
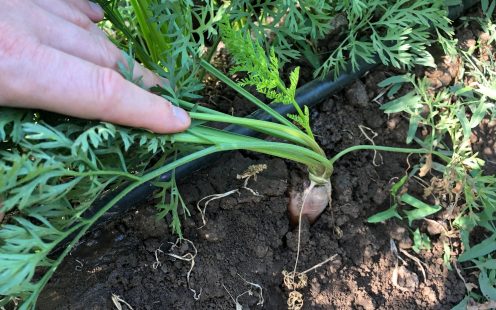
[(249, 237)]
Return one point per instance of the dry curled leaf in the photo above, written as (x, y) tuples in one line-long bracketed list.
[(458, 188), (294, 281), (295, 300), (252, 171), (427, 166)]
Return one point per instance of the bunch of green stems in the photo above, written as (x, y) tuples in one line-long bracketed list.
[(293, 143), (297, 144)]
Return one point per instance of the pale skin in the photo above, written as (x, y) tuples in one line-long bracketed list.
[(53, 57)]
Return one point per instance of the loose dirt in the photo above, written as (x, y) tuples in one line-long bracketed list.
[(248, 241), (248, 238)]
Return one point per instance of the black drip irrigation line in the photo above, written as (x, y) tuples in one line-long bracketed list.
[(310, 95)]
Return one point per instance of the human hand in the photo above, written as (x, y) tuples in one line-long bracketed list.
[(53, 57)]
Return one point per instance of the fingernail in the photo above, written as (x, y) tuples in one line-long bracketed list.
[(180, 115), (95, 7)]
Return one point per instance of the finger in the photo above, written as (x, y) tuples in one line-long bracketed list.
[(69, 85), (70, 13), (67, 11), (90, 8), (70, 9), (91, 46)]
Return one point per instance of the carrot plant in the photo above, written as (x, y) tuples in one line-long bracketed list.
[(53, 168), (463, 192)]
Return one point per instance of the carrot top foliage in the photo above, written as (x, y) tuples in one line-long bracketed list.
[(53, 168)]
